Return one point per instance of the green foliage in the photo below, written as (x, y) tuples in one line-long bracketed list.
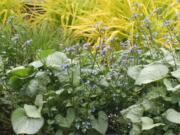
[(114, 79), (86, 107), (24, 124)]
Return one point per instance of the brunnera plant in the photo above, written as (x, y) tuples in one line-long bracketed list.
[(67, 95)]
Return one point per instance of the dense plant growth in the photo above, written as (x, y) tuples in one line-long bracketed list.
[(95, 67)]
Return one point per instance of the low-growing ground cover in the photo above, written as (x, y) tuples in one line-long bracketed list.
[(54, 81)]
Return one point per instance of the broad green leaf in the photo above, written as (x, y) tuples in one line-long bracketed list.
[(16, 82), (59, 92), (151, 73), (103, 82), (169, 86), (173, 116), (31, 111), (176, 74), (67, 121), (134, 113), (33, 87), (147, 123), (57, 59), (39, 100), (134, 72), (42, 77), (169, 58), (25, 125), (76, 75), (37, 85), (101, 123), (147, 104), (36, 64), (136, 130), (22, 71), (156, 92)]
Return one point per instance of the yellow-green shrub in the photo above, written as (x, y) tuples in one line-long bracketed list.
[(125, 18), (10, 8)]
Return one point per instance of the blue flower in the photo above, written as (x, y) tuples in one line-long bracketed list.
[(137, 35), (146, 20), (135, 15), (104, 51), (93, 109), (167, 23), (139, 51), (86, 45), (70, 49), (97, 47), (65, 66), (135, 46)]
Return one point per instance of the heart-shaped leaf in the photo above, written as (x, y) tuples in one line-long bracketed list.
[(36, 64), (133, 113), (173, 116), (39, 100), (32, 111), (151, 73), (169, 86), (134, 72), (136, 130), (176, 74), (76, 75), (100, 124), (147, 123), (25, 125), (21, 71), (57, 59), (67, 121)]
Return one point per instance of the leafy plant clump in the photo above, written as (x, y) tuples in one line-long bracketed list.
[(76, 92), (94, 67)]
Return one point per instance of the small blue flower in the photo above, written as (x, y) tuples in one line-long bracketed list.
[(98, 47), (137, 35), (65, 66), (139, 51), (167, 23), (103, 45), (135, 15), (146, 20), (86, 45), (104, 51), (130, 50), (88, 125), (93, 109), (70, 49), (135, 46)]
